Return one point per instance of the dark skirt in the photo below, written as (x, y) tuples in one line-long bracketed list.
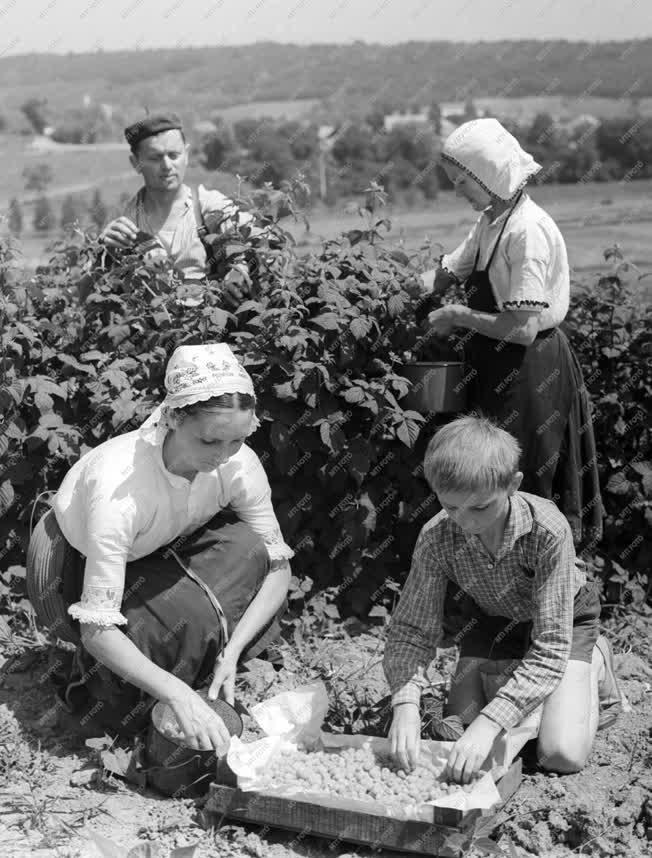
[(537, 393), (172, 620)]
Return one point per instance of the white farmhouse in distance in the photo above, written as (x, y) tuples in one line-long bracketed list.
[(392, 120)]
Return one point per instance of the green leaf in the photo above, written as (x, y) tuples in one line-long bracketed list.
[(378, 611), (7, 497), (50, 421), (16, 572), (618, 484), (395, 306), (43, 402), (360, 327), (407, 431), (42, 384), (94, 355), (327, 321), (488, 846), (116, 378), (354, 395), (99, 744), (249, 305), (484, 826), (116, 761)]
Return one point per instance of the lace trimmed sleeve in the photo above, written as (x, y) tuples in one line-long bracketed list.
[(277, 548), (99, 605), (111, 529)]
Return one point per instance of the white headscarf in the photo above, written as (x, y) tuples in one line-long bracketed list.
[(198, 373), (490, 155)]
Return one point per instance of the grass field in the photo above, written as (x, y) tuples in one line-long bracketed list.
[(590, 216)]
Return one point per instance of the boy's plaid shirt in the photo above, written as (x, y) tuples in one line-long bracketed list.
[(533, 577)]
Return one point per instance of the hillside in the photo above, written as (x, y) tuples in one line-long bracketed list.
[(206, 79)]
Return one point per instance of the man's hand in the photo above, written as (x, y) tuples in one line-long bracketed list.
[(405, 735), (470, 752), (224, 677), (443, 320), (202, 728), (119, 234)]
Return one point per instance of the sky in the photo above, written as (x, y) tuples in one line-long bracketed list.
[(88, 25)]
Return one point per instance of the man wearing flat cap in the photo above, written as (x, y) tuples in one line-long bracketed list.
[(165, 207)]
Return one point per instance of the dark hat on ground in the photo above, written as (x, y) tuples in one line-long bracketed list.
[(151, 125)]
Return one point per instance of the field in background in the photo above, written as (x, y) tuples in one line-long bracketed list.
[(591, 215)]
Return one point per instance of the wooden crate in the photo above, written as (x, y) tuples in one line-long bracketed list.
[(367, 829)]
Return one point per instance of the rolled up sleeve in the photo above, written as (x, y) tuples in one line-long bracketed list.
[(545, 662), (415, 627)]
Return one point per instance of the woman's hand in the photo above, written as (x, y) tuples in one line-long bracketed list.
[(224, 677), (443, 320), (470, 752), (405, 735), (202, 728)]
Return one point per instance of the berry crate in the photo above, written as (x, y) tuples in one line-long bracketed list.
[(442, 833)]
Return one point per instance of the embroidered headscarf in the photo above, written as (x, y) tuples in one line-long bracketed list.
[(491, 155), (199, 373)]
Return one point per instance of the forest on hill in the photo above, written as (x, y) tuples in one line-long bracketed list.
[(412, 72)]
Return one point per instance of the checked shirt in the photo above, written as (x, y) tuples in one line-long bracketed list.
[(533, 577)]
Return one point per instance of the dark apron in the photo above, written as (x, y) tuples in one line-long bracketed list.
[(172, 619), (537, 394)]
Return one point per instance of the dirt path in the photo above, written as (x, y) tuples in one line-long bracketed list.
[(600, 812)]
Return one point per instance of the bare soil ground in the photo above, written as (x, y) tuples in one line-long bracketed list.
[(603, 811)]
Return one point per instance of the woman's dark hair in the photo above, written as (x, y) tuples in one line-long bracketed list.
[(243, 401)]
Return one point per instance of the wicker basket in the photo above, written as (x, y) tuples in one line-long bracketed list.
[(49, 558)]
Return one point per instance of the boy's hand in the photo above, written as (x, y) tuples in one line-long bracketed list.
[(405, 735), (470, 752)]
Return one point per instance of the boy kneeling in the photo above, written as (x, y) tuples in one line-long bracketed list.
[(513, 554)]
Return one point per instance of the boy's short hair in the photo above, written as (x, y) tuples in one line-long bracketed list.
[(471, 454)]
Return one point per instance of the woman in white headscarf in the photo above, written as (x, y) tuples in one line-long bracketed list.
[(521, 369), (170, 591)]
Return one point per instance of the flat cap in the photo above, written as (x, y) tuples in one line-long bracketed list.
[(151, 125)]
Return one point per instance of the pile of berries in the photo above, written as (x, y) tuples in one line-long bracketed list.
[(356, 773)]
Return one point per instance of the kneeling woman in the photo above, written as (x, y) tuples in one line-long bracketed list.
[(173, 589)]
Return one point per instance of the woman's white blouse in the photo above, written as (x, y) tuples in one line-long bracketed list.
[(529, 270), (119, 503)]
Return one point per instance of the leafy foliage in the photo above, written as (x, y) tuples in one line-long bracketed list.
[(324, 336), (610, 332)]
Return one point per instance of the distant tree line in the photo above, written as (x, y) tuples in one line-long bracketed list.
[(404, 159), (75, 210), (196, 78)]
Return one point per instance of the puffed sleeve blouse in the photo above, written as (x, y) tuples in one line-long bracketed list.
[(529, 270), (119, 503)]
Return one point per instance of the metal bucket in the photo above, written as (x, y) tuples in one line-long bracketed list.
[(175, 769), (437, 386)]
